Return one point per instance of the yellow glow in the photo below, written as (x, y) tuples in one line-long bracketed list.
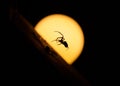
[(71, 30)]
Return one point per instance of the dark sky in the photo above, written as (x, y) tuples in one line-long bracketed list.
[(20, 52)]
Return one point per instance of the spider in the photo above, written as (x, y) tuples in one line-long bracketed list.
[(61, 40)]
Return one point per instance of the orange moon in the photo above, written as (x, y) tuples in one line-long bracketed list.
[(56, 26)]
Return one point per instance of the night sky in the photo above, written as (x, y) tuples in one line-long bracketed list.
[(22, 60)]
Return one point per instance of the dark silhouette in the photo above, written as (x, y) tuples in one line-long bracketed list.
[(61, 40)]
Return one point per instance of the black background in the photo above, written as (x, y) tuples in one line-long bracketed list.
[(23, 63)]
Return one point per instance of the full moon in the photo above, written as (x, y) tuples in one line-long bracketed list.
[(63, 34)]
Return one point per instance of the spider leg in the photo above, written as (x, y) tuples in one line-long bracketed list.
[(59, 38), (58, 42)]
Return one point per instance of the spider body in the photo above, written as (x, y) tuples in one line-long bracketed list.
[(61, 40)]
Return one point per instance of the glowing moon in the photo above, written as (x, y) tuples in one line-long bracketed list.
[(71, 31)]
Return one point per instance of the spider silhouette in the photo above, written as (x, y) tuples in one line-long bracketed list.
[(61, 40)]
